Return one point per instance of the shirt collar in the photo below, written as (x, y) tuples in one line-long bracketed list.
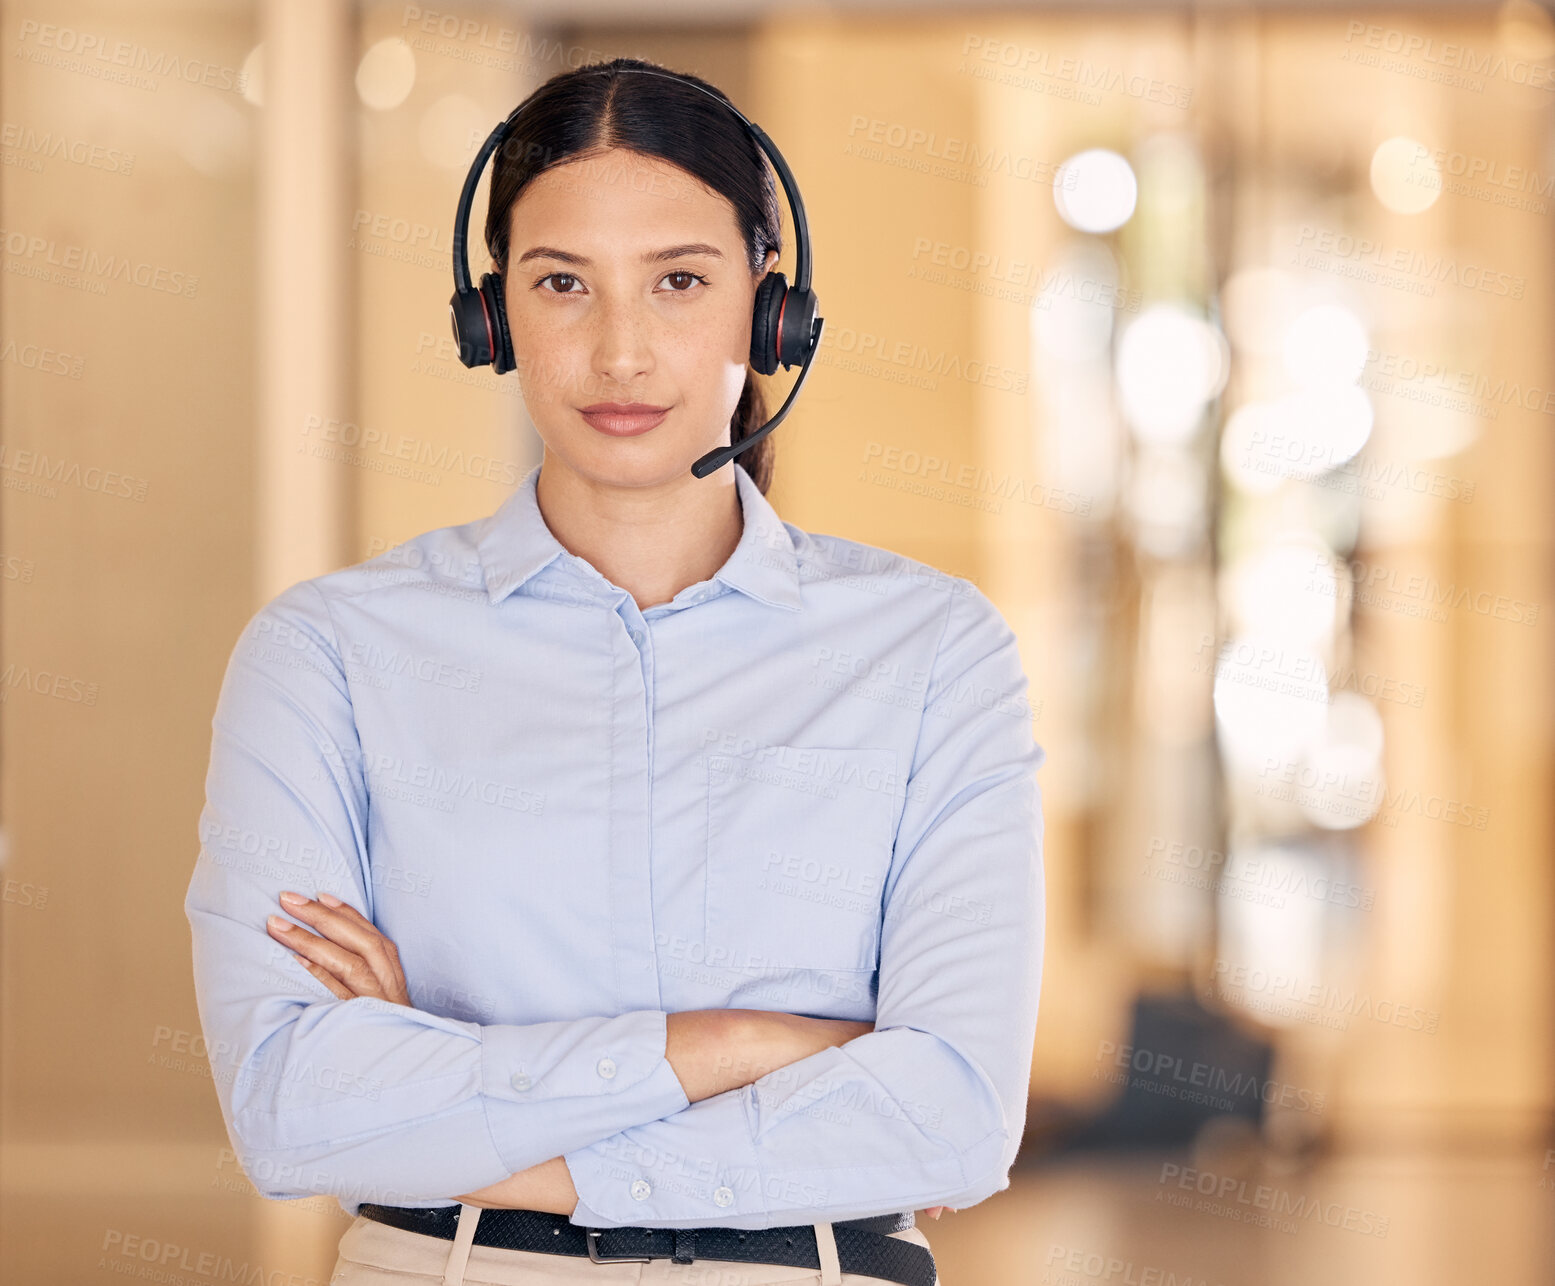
[(515, 544)]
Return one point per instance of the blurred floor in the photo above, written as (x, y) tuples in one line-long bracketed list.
[(1139, 1219)]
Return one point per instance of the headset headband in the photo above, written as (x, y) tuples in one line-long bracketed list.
[(785, 176)]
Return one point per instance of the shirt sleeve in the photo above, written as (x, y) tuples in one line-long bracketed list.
[(362, 1098), (929, 1108)]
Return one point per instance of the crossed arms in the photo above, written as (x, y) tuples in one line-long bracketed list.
[(372, 1100), (711, 1050)]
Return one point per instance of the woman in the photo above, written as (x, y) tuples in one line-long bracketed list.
[(628, 877)]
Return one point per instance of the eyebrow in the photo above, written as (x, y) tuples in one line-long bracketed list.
[(650, 256)]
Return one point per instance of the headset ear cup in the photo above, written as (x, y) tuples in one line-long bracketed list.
[(492, 293), (764, 322), (467, 311), (796, 335)]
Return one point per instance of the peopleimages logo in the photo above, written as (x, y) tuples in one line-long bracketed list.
[(379, 664), (867, 353), (1445, 57), (941, 478), (1418, 593), (1432, 267), (1074, 1266), (1065, 76), (120, 61), (30, 146), (1361, 795), (79, 267), (1235, 1197), (913, 143), (1293, 672), (1241, 873), (439, 787), (1161, 1072), (1402, 373), (370, 447), (1257, 988)]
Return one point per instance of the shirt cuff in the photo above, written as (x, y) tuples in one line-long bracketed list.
[(699, 1166), (553, 1086)]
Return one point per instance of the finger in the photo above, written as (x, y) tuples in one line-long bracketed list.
[(377, 973), (373, 946), (351, 913), (348, 969), (347, 910), (324, 976), (346, 966), (391, 976), (354, 932)]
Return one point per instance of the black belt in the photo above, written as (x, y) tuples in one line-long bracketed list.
[(863, 1245)]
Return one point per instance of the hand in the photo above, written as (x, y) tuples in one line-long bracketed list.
[(547, 1187), (351, 957), (934, 1212)]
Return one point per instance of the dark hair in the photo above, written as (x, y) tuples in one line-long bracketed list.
[(604, 105)]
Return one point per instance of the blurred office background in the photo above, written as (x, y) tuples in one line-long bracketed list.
[(1212, 342)]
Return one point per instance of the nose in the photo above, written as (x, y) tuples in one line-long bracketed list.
[(622, 348)]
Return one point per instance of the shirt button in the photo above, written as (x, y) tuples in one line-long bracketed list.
[(640, 1190), (606, 1068), (520, 1081), (723, 1196), (637, 636)]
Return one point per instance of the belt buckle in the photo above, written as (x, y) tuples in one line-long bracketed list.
[(592, 1236)]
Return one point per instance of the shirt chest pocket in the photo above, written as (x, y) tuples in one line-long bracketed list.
[(799, 842)]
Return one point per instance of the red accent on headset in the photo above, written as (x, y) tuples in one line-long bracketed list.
[(781, 307)]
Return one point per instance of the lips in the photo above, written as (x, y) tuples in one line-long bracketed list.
[(623, 419)]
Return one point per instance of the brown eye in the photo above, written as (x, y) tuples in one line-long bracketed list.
[(558, 276), (687, 277)]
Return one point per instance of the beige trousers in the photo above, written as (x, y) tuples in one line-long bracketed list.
[(375, 1254)]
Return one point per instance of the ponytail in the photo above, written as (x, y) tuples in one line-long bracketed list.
[(750, 415)]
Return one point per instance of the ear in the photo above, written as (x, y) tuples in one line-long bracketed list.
[(767, 264)]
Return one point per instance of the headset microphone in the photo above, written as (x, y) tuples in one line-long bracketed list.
[(785, 327)]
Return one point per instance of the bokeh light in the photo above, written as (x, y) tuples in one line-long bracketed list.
[(1170, 364), (1095, 190), (1404, 176), (386, 74)]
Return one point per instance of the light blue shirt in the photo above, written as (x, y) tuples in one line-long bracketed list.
[(806, 784)]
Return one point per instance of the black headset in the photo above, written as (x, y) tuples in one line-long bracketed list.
[(785, 329)]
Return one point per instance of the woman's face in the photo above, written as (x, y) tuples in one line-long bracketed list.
[(627, 282)]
